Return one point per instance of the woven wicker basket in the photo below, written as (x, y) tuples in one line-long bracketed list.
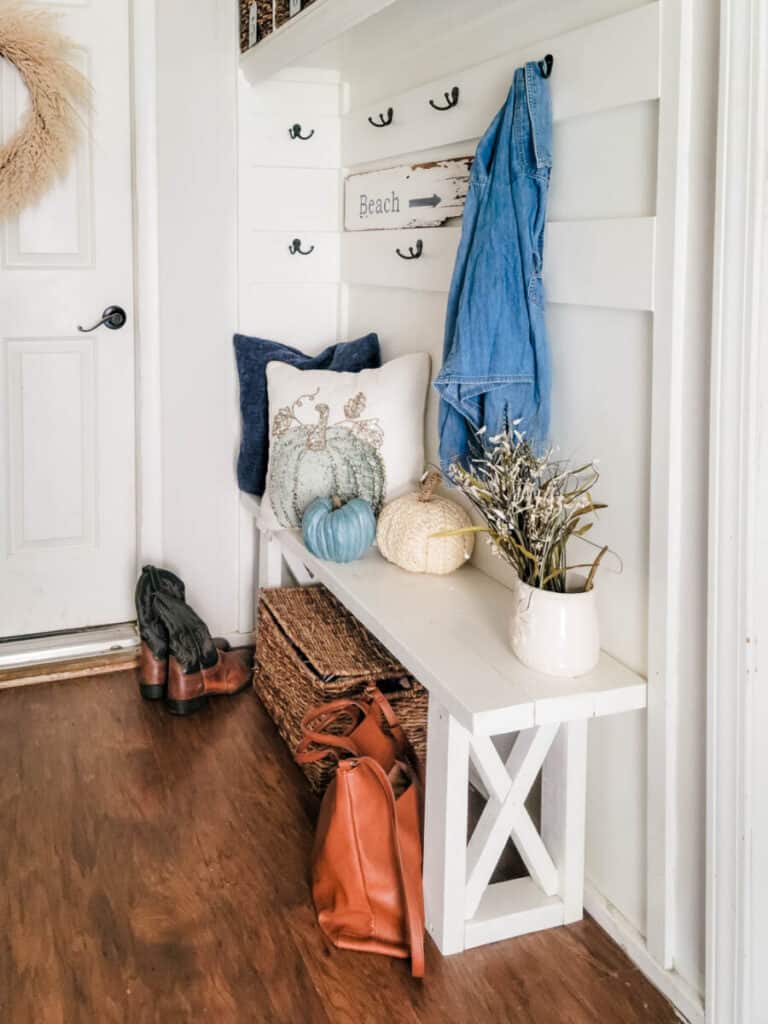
[(282, 12), (244, 6), (310, 650)]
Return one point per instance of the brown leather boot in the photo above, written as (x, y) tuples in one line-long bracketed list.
[(196, 668), (153, 657), (188, 691), (153, 653)]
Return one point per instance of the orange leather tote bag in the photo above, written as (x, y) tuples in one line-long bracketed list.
[(366, 863)]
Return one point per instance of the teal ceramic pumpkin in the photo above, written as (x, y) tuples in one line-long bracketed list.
[(336, 532)]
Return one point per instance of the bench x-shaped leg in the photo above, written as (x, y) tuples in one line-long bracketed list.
[(505, 813), (463, 909)]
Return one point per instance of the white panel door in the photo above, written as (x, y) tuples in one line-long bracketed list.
[(67, 478)]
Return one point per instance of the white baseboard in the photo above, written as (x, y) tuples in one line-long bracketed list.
[(241, 639), (82, 644), (683, 996)]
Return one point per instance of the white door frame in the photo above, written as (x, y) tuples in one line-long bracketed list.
[(149, 498), (739, 415)]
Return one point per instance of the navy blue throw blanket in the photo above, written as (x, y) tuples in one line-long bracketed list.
[(252, 356)]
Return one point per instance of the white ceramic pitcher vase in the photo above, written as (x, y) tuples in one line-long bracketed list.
[(557, 634)]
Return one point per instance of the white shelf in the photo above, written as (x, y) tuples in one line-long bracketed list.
[(306, 33), (451, 633), (339, 34)]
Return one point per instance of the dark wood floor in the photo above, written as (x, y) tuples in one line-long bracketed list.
[(155, 869)]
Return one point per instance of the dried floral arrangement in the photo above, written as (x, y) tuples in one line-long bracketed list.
[(532, 504)]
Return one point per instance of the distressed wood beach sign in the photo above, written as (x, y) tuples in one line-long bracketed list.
[(415, 196)]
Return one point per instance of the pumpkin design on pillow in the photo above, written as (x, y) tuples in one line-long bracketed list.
[(320, 459)]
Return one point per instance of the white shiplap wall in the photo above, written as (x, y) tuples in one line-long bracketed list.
[(290, 188), (600, 276)]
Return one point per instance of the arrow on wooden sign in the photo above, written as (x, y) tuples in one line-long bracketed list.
[(419, 195), (429, 201)]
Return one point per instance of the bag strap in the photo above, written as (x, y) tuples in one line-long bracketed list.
[(410, 881), (330, 747), (325, 714), (375, 696)]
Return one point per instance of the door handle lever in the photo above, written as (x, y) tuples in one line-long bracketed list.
[(113, 317)]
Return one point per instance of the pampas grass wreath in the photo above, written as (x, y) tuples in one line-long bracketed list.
[(41, 150)]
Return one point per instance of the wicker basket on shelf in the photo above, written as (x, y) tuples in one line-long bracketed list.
[(282, 12), (310, 650), (245, 13)]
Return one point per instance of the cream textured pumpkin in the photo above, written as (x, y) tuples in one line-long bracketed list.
[(407, 525)]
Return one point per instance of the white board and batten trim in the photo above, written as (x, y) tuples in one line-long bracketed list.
[(668, 509), (609, 64), (606, 263), (413, 196), (147, 275), (737, 826)]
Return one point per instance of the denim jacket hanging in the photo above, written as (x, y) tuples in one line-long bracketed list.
[(496, 368)]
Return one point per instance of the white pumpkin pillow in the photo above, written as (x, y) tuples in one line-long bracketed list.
[(355, 435)]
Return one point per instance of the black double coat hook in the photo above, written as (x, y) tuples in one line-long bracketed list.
[(384, 119), (295, 132), (414, 253), (295, 248), (451, 100)]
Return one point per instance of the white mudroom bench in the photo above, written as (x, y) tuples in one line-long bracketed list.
[(451, 633)]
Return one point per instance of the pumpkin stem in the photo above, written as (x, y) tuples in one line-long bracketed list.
[(337, 502), (316, 439), (429, 484)]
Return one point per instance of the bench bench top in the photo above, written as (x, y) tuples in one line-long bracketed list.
[(451, 633)]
